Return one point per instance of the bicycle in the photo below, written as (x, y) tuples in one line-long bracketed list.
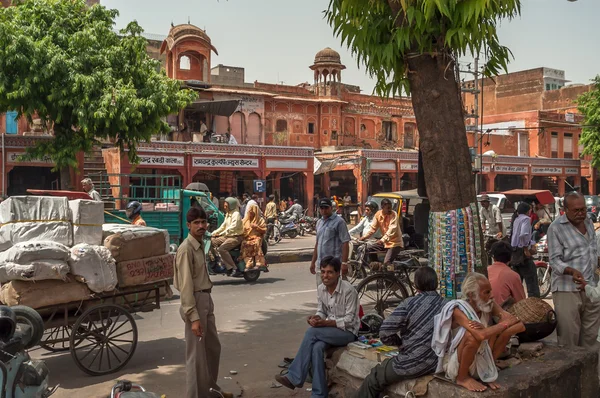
[(384, 290)]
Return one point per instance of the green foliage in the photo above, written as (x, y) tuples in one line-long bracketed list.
[(384, 34), (61, 61), (589, 106)]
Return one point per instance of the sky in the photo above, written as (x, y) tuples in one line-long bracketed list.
[(276, 40)]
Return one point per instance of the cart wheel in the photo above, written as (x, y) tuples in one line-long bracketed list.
[(103, 339), (56, 339), (381, 293)]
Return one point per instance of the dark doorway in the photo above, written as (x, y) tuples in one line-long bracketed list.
[(380, 182), (505, 182), (22, 178)]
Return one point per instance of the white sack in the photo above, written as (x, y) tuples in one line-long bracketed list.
[(95, 265), (37, 270), (26, 252), (36, 218), (88, 217)]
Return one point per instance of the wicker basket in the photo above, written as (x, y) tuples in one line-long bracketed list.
[(531, 310)]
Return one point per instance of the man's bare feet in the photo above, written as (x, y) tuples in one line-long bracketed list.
[(493, 386), (471, 384)]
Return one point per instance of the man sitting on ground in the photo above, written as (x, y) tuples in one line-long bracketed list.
[(506, 283), (335, 324), (387, 221), (465, 339), (410, 327)]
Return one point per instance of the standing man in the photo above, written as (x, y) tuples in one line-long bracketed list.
[(88, 187), (335, 324), (332, 238), (270, 214), (491, 214), (573, 255), (203, 349), (215, 200), (347, 200), (387, 221), (244, 204), (521, 242)]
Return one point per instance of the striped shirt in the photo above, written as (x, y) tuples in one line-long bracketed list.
[(411, 327), (567, 247), (341, 306)]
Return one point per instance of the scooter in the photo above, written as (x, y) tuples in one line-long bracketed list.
[(216, 267), (22, 328), (288, 226)]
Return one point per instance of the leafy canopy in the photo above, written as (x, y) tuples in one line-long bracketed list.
[(61, 61), (589, 106), (384, 34)]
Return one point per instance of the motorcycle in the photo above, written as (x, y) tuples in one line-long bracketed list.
[(288, 226), (22, 328), (216, 266), (307, 224)]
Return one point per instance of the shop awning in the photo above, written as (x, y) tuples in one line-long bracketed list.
[(221, 108), (325, 166)]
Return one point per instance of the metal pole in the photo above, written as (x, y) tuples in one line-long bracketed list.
[(477, 132), (3, 166)]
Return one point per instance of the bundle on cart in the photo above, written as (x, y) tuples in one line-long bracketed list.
[(35, 218)]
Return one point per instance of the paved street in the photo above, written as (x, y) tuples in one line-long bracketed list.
[(298, 243), (258, 325)]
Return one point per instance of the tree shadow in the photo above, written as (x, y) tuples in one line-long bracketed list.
[(240, 281), (253, 349)]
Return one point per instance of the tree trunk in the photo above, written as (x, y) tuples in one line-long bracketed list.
[(442, 136)]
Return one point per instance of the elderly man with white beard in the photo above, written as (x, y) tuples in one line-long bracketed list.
[(466, 340)]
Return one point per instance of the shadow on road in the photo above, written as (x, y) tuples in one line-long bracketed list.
[(241, 281), (159, 364)]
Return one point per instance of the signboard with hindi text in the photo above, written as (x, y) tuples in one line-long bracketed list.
[(214, 163), (572, 170), (546, 170), (147, 160), (409, 166), (14, 158), (510, 169)]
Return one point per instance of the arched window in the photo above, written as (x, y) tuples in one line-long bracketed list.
[(281, 125), (185, 63)]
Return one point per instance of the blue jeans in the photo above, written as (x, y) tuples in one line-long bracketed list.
[(312, 351)]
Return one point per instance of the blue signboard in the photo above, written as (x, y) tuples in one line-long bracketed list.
[(260, 186)]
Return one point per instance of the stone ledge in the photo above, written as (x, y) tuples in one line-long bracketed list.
[(289, 256), (559, 373)]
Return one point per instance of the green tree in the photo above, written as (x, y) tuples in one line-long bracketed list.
[(412, 46), (589, 106), (62, 62)]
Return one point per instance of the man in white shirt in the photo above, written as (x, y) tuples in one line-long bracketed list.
[(491, 215), (336, 324), (347, 200), (230, 139)]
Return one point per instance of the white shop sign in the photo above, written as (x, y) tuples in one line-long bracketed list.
[(13, 158), (546, 170), (486, 169), (383, 166), (287, 164), (571, 170), (409, 166), (161, 160), (227, 163), (511, 169)]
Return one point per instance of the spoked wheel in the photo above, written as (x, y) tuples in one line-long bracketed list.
[(356, 271), (275, 237), (57, 339), (103, 339), (381, 293), (544, 283)]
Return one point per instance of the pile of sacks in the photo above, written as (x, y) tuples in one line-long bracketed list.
[(53, 251)]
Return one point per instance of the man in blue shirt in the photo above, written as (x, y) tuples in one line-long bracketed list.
[(332, 238)]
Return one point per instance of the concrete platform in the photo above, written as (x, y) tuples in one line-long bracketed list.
[(558, 373)]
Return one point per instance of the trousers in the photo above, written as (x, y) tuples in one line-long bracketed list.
[(223, 246), (312, 352), (528, 273), (202, 356), (390, 254), (381, 376), (578, 319)]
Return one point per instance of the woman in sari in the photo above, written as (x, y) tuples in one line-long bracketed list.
[(254, 230)]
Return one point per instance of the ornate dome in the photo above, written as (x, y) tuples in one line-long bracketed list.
[(327, 56), (183, 32)]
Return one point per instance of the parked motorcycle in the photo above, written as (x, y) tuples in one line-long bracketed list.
[(22, 328), (307, 224), (289, 227), (216, 266)]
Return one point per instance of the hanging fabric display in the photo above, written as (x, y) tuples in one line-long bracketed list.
[(453, 251)]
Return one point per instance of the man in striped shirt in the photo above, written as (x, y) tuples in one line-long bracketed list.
[(574, 257), (411, 328)]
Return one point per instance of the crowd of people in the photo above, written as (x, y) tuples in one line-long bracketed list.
[(460, 338)]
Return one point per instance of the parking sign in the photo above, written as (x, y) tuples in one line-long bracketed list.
[(260, 186)]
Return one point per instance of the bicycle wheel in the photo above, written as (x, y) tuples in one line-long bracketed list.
[(544, 283), (381, 293), (275, 237), (356, 271)]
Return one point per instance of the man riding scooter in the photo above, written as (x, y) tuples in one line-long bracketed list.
[(386, 220), (133, 211), (229, 235)]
